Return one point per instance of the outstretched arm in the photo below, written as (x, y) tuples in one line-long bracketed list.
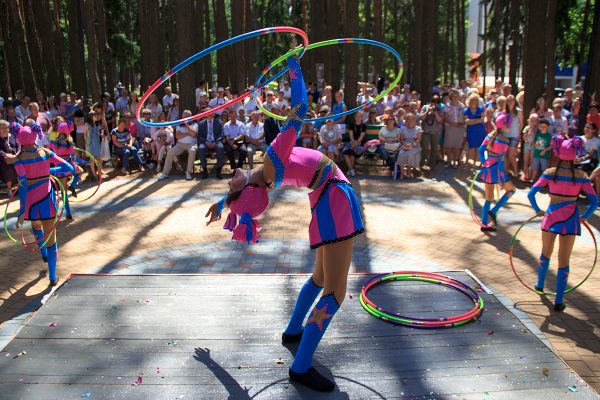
[(541, 182), (62, 165), (588, 189)]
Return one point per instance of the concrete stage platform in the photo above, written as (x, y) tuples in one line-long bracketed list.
[(218, 337)]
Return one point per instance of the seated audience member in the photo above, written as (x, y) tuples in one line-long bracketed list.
[(185, 134), (123, 143), (330, 137), (210, 139), (254, 133)]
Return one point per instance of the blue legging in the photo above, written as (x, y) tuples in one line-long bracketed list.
[(126, 153)]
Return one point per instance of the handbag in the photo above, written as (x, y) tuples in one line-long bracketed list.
[(104, 150), (391, 146)]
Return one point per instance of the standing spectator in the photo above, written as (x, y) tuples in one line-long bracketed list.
[(123, 143), (219, 100), (242, 115), (573, 117), (95, 131), (339, 107), (409, 155), (108, 108), (506, 90), (474, 115), (121, 104), (64, 103), (250, 104), (389, 138), (529, 140), (364, 96), (406, 96), (40, 118), (9, 147), (390, 100), (330, 137), (432, 123), (454, 120), (541, 149), (558, 123), (592, 145), (132, 103), (233, 130), (513, 134), (327, 98), (269, 103), (271, 127), (199, 92), (22, 111), (210, 139), (173, 113), (18, 98), (568, 100), (287, 91), (154, 107), (593, 114), (168, 98), (254, 133), (541, 109), (357, 132), (281, 102), (186, 135), (314, 91), (491, 99), (53, 108), (41, 100)]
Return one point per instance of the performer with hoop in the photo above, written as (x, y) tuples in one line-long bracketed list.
[(565, 182), (62, 145), (336, 219), (36, 194), (493, 170)]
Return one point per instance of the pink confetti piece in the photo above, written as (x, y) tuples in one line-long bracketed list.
[(157, 370), (490, 332), (350, 296), (138, 382), (52, 324), (147, 301)]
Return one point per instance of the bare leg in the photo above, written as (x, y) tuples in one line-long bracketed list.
[(336, 263)]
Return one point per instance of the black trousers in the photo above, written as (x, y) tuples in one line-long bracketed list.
[(242, 153)]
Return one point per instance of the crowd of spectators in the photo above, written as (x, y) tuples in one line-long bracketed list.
[(410, 134)]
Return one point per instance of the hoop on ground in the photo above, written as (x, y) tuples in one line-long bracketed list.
[(513, 240), (416, 322), (205, 52), (329, 43)]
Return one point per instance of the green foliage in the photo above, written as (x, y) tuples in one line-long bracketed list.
[(126, 52), (569, 19)]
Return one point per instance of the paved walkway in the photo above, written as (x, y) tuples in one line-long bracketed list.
[(138, 225)]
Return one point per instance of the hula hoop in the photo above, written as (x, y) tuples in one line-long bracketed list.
[(329, 43), (474, 215), (76, 200), (416, 322), (57, 218), (513, 240), (205, 52)]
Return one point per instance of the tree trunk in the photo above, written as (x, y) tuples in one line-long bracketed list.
[(317, 33), (428, 39), (534, 56), (460, 36), (417, 53), (496, 37), (208, 42), (43, 17), (368, 35), (15, 73), (22, 50), (92, 47), (515, 24), (332, 28), (75, 57), (238, 49), (34, 43), (446, 63), (198, 35), (351, 54), (182, 43), (221, 33), (550, 48), (582, 39), (57, 45), (249, 45), (5, 81), (505, 33), (378, 53), (107, 62), (591, 86)]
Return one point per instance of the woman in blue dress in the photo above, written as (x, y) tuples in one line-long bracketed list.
[(474, 114)]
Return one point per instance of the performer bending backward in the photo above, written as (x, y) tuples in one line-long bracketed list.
[(493, 170), (63, 147), (562, 216), (37, 196), (336, 219)]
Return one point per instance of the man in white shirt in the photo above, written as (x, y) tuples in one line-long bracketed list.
[(186, 141), (168, 99), (251, 103), (287, 91), (22, 111), (280, 102), (219, 100), (121, 104), (233, 132), (255, 137)]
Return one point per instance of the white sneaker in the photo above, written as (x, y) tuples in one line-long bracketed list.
[(162, 177), (188, 176)]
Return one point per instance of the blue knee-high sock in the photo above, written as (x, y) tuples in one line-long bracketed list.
[(502, 202), (67, 207), (307, 296), (561, 284), (39, 235), (542, 271), (52, 256), (317, 324), (485, 218)]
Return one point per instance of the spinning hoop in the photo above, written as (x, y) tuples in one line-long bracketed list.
[(47, 235), (329, 43), (425, 323), (513, 240), (98, 168), (205, 52), (474, 215)]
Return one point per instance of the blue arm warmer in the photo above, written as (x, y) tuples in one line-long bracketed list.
[(22, 194), (531, 197), (481, 151), (593, 199)]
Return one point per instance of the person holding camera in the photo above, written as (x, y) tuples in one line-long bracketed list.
[(432, 118)]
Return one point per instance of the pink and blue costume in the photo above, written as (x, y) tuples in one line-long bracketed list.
[(65, 149), (562, 218)]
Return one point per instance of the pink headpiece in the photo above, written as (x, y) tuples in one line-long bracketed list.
[(503, 121), (567, 149), (26, 136), (64, 128), (253, 201)]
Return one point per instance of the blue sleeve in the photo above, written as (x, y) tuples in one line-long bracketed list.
[(22, 194), (531, 197), (220, 206), (62, 165), (593, 199), (481, 151)]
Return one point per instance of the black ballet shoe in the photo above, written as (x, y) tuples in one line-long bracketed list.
[(492, 217), (559, 307), (312, 379), (488, 229), (54, 282), (73, 191), (69, 216), (287, 338), (540, 290)]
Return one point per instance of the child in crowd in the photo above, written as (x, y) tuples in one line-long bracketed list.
[(162, 139), (330, 137), (541, 149), (529, 138)]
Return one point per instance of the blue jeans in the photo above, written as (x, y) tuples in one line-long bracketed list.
[(126, 153)]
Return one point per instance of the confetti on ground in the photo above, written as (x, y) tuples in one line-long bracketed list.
[(138, 382), (23, 353), (279, 361), (114, 307), (157, 370), (172, 342), (546, 371), (573, 388), (52, 324), (86, 395), (350, 295), (490, 332)]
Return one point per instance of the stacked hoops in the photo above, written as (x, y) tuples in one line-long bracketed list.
[(417, 322), (513, 241)]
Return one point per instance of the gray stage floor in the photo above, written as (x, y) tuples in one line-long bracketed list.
[(217, 337)]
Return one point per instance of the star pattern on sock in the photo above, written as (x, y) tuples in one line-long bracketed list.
[(319, 316), (292, 113)]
